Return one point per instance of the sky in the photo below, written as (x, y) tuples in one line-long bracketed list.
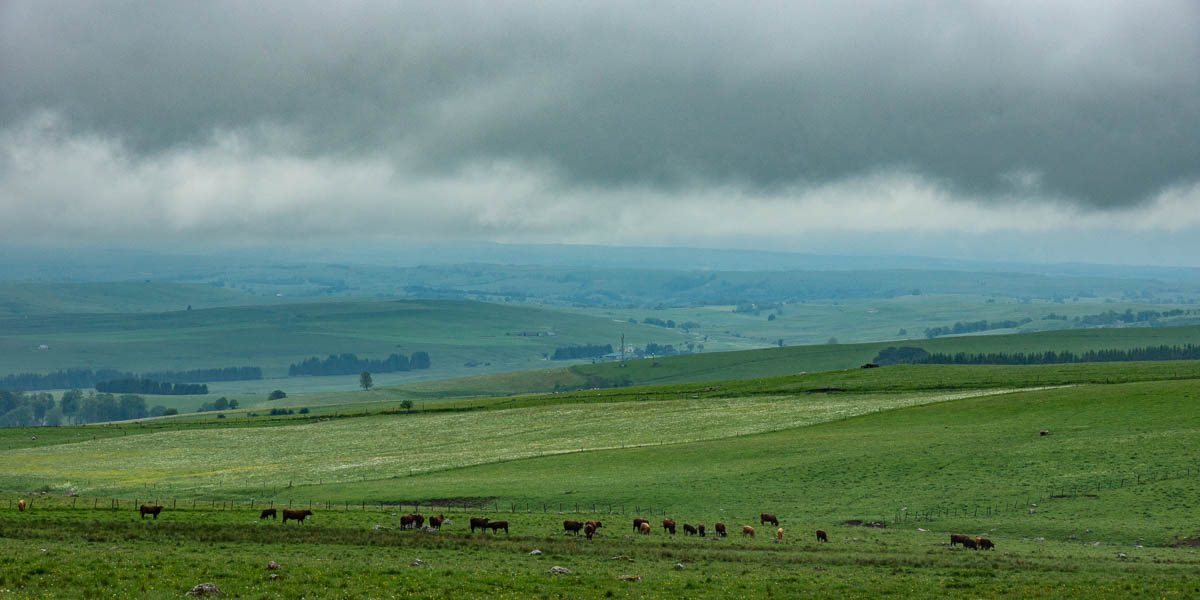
[(1046, 131)]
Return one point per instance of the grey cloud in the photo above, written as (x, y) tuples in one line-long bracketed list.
[(1092, 102)]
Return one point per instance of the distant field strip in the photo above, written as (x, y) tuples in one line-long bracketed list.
[(225, 460)]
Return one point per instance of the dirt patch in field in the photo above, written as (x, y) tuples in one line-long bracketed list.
[(1188, 542)]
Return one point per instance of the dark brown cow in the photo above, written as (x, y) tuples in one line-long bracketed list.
[(407, 520), (984, 544), (747, 530), (149, 509), (669, 525), (688, 529), (637, 524), (573, 527), (480, 522), (495, 525), (821, 537), (870, 366), (700, 529), (768, 518), (957, 538), (418, 520), (720, 529), (970, 543), (267, 512), (435, 521), (595, 524), (295, 515), (645, 528), (589, 530)]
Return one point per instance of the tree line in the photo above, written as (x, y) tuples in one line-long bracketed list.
[(137, 385), (86, 378), (911, 355), (962, 327), (19, 409), (350, 364), (584, 351)]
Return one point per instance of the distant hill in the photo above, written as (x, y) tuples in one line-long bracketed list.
[(41, 298)]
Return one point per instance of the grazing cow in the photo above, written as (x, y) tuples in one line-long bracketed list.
[(957, 538), (688, 529), (768, 518), (984, 544), (700, 529), (779, 534), (149, 509), (720, 528), (267, 512), (637, 524), (407, 520), (595, 524), (572, 527), (821, 537), (1044, 432), (21, 505), (970, 543), (418, 521), (669, 525), (747, 530), (435, 522), (589, 530), (494, 525), (645, 529), (480, 522), (295, 515)]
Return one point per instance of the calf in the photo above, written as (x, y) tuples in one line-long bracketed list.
[(779, 534), (589, 530), (821, 537), (435, 522), (688, 529), (21, 505), (970, 543), (637, 524), (480, 522), (268, 512), (645, 528), (700, 529), (669, 525), (497, 525), (720, 529), (983, 543), (747, 530), (295, 515), (572, 527), (149, 509), (768, 518)]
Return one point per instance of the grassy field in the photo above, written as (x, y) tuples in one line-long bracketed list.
[(1093, 509)]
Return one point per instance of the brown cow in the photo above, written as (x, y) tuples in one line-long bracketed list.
[(295, 515), (480, 522), (645, 528), (407, 520), (768, 518), (267, 512), (688, 529), (984, 543), (970, 543), (21, 505), (435, 522), (149, 509), (637, 524), (720, 528), (494, 525), (572, 527), (957, 538), (747, 530), (779, 534), (821, 537), (700, 529), (589, 530), (595, 524), (669, 525)]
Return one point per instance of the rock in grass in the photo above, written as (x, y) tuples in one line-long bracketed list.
[(629, 577), (535, 552), (1122, 556), (418, 562), (272, 565), (679, 567), (274, 576), (204, 589), (556, 570)]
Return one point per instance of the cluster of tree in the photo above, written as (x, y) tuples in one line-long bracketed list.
[(19, 409), (137, 385), (973, 326), (349, 364), (1113, 317), (653, 349), (911, 355), (586, 351), (221, 403), (86, 378)]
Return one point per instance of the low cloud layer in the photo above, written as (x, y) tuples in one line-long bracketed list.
[(608, 123)]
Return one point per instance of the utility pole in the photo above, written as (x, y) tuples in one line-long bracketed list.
[(622, 346)]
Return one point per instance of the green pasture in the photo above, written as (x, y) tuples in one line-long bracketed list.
[(31, 298)]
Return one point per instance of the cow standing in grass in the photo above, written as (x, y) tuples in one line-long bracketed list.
[(747, 530), (821, 537), (480, 522), (435, 522), (295, 515), (637, 524), (983, 543), (720, 529), (688, 529), (589, 530), (957, 538), (768, 518), (779, 534), (267, 512), (21, 505), (572, 527), (497, 525), (669, 525), (595, 524), (645, 527), (150, 509), (700, 529)]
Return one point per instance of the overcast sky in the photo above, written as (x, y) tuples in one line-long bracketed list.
[(1032, 130)]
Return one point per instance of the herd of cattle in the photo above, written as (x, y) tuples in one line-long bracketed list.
[(589, 528)]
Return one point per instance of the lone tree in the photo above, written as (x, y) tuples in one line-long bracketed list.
[(407, 405), (276, 395), (364, 380)]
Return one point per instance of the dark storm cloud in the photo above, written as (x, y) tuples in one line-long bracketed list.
[(1092, 103)]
